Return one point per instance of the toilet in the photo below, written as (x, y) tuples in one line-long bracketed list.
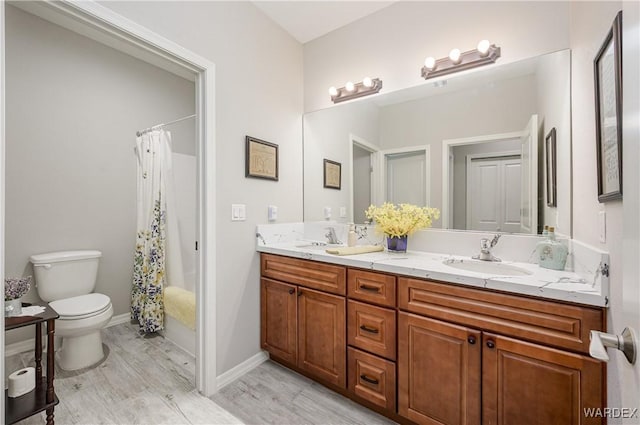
[(66, 281)]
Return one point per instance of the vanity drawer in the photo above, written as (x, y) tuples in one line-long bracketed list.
[(376, 288), (372, 329), (372, 378), (321, 276), (551, 323)]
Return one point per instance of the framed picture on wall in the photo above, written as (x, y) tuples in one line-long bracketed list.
[(261, 159), (550, 167), (608, 92), (332, 174)]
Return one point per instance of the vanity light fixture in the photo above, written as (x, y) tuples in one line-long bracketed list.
[(354, 90), (483, 54)]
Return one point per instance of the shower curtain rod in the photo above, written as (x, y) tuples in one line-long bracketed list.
[(155, 127)]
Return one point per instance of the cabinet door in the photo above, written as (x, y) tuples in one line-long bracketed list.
[(322, 349), (529, 384), (438, 371), (278, 312)]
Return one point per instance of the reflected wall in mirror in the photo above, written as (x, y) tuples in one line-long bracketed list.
[(471, 144)]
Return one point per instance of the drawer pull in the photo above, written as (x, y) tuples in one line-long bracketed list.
[(370, 330), (370, 288), (369, 380), (291, 291)]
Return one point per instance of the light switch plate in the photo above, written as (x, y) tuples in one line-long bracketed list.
[(602, 226), (327, 213), (343, 212), (238, 212)]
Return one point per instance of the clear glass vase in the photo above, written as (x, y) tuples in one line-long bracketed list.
[(397, 243)]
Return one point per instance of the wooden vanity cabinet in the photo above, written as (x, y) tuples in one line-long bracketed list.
[(427, 352), (453, 368), (303, 327)]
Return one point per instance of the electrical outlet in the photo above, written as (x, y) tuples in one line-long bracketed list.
[(602, 226), (272, 213)]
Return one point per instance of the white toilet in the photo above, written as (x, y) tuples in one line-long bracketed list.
[(66, 281)]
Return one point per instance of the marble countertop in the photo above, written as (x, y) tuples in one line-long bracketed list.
[(550, 284)]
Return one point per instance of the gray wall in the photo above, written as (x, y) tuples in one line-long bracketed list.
[(73, 108), (258, 93)]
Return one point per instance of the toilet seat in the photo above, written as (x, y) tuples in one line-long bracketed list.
[(82, 306)]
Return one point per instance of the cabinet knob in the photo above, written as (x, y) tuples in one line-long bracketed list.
[(471, 339), (291, 291), (491, 344), (299, 292)]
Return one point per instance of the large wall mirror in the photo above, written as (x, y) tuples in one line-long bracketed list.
[(471, 144)]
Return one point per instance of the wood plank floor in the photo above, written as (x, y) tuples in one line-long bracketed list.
[(141, 381), (273, 394), (151, 381)]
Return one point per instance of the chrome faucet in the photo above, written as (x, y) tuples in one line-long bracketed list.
[(331, 236), (486, 246)]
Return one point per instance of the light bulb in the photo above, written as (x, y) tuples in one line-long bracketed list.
[(333, 91), (483, 47), (367, 82), (454, 55), (349, 86), (430, 63)]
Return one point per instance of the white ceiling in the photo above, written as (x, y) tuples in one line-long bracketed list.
[(307, 20)]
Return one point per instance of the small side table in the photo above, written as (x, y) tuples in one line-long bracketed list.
[(43, 397)]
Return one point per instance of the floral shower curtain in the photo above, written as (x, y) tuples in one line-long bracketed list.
[(156, 231)]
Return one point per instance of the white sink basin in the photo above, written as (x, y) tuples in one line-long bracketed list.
[(488, 267)]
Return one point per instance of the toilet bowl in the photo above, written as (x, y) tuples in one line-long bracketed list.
[(66, 280), (81, 319)]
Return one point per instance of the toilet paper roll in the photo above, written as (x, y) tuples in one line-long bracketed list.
[(21, 382)]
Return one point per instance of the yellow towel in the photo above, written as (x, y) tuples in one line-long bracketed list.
[(181, 305), (351, 250)]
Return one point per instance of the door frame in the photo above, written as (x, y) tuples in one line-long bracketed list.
[(447, 144), (382, 191), (104, 25), (470, 158), (375, 173)]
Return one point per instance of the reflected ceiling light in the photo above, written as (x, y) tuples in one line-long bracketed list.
[(485, 53), (351, 91)]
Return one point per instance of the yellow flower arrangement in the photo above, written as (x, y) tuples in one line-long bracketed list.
[(404, 219)]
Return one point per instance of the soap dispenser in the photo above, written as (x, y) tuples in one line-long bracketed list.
[(352, 237), (553, 254)]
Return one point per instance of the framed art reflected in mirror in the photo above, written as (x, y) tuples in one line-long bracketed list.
[(332, 174), (550, 167), (608, 93)]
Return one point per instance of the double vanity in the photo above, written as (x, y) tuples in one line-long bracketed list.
[(431, 338)]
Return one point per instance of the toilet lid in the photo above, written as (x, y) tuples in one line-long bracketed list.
[(82, 305)]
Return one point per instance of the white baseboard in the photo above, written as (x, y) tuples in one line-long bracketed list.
[(119, 319), (244, 367), (29, 344)]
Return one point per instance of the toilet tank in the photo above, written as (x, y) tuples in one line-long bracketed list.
[(65, 274)]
